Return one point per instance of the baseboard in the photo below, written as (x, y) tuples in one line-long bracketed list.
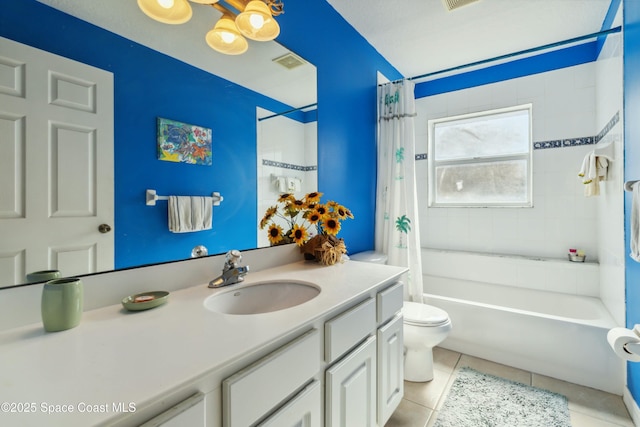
[(632, 406)]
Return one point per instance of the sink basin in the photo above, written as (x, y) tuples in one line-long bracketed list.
[(262, 297)]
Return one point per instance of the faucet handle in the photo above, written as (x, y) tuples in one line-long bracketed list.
[(233, 257)]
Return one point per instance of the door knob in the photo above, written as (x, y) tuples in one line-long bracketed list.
[(104, 228)]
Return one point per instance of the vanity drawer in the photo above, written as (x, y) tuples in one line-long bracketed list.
[(253, 392), (347, 330), (389, 302)]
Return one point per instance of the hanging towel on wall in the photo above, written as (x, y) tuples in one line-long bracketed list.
[(594, 169), (190, 213), (635, 223)]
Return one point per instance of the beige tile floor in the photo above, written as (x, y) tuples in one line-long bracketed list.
[(419, 408)]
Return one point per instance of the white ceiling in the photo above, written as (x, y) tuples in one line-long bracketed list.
[(254, 69), (421, 36), (416, 36)]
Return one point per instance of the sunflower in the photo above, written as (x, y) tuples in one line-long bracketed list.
[(267, 216), (298, 204), (275, 234), (331, 226), (341, 212), (299, 234), (332, 205), (312, 197), (313, 217), (322, 210), (286, 197)]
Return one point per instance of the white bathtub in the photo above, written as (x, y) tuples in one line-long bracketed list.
[(554, 334)]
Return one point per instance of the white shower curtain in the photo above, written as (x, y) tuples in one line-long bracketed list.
[(397, 233)]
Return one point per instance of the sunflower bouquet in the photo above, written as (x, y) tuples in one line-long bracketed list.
[(310, 224)]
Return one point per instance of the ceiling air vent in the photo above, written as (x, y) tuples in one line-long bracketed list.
[(290, 61), (455, 4)]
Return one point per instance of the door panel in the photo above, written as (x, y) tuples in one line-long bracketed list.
[(56, 171)]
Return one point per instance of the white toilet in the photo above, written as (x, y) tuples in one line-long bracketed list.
[(424, 327)]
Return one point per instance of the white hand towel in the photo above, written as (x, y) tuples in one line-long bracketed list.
[(188, 213), (594, 169), (635, 223)]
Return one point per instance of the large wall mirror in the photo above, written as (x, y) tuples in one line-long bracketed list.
[(262, 115)]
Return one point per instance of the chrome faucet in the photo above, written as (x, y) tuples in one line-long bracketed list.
[(231, 272)]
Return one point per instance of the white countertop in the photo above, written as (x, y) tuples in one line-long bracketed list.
[(116, 356)]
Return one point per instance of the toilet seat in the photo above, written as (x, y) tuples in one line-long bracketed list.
[(418, 314)]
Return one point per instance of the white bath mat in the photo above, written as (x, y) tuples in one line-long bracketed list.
[(481, 400)]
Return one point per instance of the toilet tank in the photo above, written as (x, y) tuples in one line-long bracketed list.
[(370, 256)]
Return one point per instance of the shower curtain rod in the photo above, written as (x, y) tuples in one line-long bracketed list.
[(288, 111), (522, 52)]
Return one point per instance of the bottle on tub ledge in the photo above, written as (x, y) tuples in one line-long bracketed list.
[(577, 255)]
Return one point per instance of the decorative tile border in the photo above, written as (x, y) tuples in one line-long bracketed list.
[(283, 165), (574, 142), (569, 142), (614, 120)]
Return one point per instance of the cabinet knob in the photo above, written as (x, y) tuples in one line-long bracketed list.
[(104, 228)]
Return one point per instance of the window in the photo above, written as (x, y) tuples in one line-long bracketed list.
[(481, 159)]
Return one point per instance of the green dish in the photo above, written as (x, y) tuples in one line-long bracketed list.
[(154, 299)]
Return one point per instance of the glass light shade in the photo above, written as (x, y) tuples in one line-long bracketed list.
[(257, 23), (178, 13), (225, 37)]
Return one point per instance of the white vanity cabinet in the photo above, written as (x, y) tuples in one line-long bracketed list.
[(190, 412), (364, 344), (350, 388), (390, 351), (275, 383), (303, 410)]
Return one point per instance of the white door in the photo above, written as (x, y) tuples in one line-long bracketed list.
[(351, 388), (56, 164), (390, 368)]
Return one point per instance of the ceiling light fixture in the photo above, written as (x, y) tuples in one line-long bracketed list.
[(254, 20)]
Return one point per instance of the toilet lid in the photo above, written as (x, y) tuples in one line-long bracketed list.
[(419, 314)]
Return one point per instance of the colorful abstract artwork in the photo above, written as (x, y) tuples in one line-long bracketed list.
[(182, 142)]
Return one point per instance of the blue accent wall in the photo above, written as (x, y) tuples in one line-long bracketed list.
[(542, 63), (149, 84), (631, 167)]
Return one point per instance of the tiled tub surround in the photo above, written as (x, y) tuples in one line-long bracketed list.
[(531, 313), (286, 148), (565, 121), (159, 357)]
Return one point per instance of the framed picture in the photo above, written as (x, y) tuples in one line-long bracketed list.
[(184, 143)]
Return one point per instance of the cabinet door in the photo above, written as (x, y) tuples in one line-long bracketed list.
[(190, 412), (351, 388), (303, 410), (390, 368)]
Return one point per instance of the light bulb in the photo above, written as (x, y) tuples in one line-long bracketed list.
[(227, 37), (167, 4), (256, 20)]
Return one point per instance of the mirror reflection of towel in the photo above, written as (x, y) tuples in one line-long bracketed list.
[(190, 213)]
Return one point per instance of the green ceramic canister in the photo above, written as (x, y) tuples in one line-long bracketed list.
[(43, 276), (62, 303)]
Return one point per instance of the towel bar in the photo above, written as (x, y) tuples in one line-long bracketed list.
[(152, 197), (628, 186)]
